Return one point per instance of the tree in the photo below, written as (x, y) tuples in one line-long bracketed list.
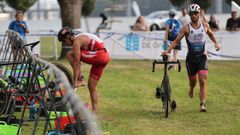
[(229, 1), (22, 5), (2, 6), (87, 9), (70, 11), (177, 3), (204, 4)]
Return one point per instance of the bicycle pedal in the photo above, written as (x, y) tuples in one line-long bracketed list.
[(158, 93), (173, 105), (162, 97)]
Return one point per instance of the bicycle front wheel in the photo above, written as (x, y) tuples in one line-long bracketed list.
[(167, 99), (166, 103)]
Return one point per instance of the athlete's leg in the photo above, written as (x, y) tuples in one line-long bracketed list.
[(192, 84), (191, 69), (92, 86), (95, 75), (175, 56), (98, 60), (202, 75)]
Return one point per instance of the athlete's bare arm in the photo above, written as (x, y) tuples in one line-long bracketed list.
[(211, 35), (76, 64)]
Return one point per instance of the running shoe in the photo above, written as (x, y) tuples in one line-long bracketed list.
[(203, 107)]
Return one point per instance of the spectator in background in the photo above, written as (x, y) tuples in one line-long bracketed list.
[(202, 16), (184, 19), (233, 22), (19, 25), (173, 27), (239, 22), (104, 23), (213, 23), (140, 25)]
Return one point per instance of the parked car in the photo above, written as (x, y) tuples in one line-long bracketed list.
[(156, 20)]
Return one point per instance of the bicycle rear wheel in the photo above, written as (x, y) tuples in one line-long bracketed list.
[(3, 98), (66, 71), (3, 102)]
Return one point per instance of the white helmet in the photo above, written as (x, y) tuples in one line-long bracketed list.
[(194, 8)]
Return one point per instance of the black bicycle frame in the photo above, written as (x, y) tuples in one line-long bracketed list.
[(165, 85)]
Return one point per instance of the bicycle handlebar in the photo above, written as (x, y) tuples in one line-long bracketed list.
[(166, 62), (32, 45)]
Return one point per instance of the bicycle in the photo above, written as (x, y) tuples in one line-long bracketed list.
[(164, 91), (42, 81), (10, 85), (14, 79)]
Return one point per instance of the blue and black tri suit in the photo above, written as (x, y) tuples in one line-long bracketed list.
[(196, 59)]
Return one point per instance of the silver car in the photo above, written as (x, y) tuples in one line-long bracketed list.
[(156, 20)]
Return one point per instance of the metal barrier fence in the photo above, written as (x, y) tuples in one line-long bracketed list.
[(29, 83), (48, 48), (150, 45)]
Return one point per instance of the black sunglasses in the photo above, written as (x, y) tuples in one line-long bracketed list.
[(193, 12)]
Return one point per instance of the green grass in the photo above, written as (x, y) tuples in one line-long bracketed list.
[(128, 106)]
